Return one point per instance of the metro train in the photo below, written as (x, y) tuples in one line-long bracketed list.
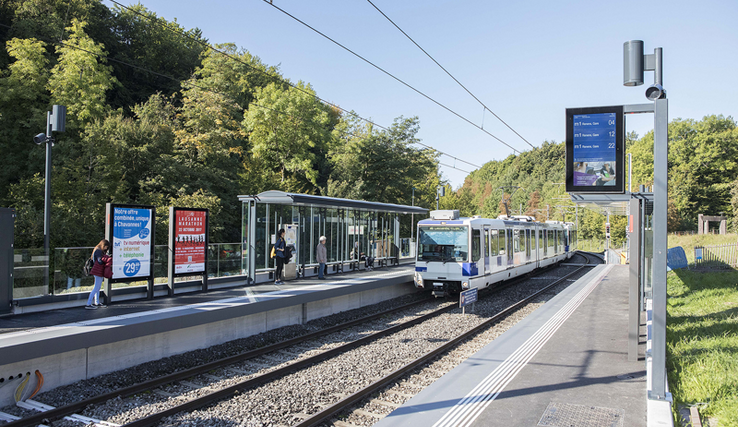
[(454, 254)]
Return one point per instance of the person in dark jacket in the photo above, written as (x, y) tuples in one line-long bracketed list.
[(279, 257), (100, 258)]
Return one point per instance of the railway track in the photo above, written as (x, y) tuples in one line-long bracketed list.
[(222, 389)]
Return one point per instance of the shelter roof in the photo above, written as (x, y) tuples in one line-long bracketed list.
[(295, 199), (616, 204)]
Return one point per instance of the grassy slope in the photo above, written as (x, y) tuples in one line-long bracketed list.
[(702, 342), (691, 241)]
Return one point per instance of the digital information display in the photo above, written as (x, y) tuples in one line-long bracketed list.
[(594, 150), (190, 240), (132, 242)]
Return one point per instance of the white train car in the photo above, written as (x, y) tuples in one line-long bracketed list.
[(456, 254)]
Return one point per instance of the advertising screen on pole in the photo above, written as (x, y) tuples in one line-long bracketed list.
[(594, 150), (131, 242), (189, 241)]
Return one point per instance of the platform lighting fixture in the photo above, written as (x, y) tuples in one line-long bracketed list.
[(635, 63)]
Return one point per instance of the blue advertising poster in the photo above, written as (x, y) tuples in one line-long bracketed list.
[(131, 243), (594, 149)]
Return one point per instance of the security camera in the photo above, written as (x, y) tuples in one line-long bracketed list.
[(655, 92), (39, 139)]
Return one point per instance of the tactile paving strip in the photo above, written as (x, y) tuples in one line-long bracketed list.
[(568, 415)]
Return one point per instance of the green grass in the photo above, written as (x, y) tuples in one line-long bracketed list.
[(702, 342)]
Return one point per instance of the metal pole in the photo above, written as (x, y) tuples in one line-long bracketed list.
[(630, 172), (412, 221), (660, 196), (47, 204)]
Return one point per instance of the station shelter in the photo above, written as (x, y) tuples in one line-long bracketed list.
[(354, 229)]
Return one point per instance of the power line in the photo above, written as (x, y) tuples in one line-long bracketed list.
[(281, 80), (391, 75), (449, 74)]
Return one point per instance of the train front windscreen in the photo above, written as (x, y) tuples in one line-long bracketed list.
[(443, 243)]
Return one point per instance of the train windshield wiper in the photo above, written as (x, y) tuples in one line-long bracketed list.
[(447, 259)]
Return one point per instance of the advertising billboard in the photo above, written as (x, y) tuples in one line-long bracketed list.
[(595, 150), (132, 243), (190, 240)]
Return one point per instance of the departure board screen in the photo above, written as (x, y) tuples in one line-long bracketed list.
[(595, 150)]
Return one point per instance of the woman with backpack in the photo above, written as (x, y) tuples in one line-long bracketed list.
[(100, 258), (279, 256)]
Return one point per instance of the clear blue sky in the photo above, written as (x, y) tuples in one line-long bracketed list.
[(527, 61)]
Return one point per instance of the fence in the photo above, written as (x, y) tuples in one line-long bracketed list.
[(716, 255), (224, 259)]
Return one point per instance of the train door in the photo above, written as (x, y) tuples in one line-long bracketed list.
[(527, 245), (477, 251), (487, 259), (509, 242)]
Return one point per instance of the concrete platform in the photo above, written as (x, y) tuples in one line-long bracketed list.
[(566, 364), (74, 344)]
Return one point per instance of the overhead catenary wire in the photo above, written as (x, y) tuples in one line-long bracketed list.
[(450, 75), (391, 75), (281, 80)]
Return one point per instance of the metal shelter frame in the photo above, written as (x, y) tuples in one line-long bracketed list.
[(354, 229)]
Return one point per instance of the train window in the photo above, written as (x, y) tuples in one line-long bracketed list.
[(551, 242), (443, 243), (476, 250), (509, 242), (495, 243), (527, 242), (542, 243), (486, 242), (522, 241)]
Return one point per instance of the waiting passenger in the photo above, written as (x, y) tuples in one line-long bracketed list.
[(321, 256), (279, 257)]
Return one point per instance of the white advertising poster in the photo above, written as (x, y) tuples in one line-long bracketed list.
[(131, 243)]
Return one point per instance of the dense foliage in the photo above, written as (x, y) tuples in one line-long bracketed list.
[(157, 116)]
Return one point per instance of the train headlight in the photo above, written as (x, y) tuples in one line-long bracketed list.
[(418, 280), (465, 285)]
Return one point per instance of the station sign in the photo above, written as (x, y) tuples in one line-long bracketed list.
[(595, 150), (467, 297), (131, 231)]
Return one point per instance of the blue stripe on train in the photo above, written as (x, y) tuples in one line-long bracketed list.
[(469, 269)]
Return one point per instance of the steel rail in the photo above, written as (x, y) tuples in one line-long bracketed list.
[(221, 394), (196, 370), (233, 390), (328, 412)]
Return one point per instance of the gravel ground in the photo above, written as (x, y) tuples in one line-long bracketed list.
[(288, 399)]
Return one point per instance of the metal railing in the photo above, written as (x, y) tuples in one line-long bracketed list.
[(224, 259), (716, 255)]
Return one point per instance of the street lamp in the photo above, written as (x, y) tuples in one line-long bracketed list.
[(56, 120)]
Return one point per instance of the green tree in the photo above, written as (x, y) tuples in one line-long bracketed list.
[(383, 166), (285, 128), (80, 79), (23, 100)]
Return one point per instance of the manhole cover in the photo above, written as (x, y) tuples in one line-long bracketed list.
[(568, 415)]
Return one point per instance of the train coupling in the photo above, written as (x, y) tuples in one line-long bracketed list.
[(439, 290)]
